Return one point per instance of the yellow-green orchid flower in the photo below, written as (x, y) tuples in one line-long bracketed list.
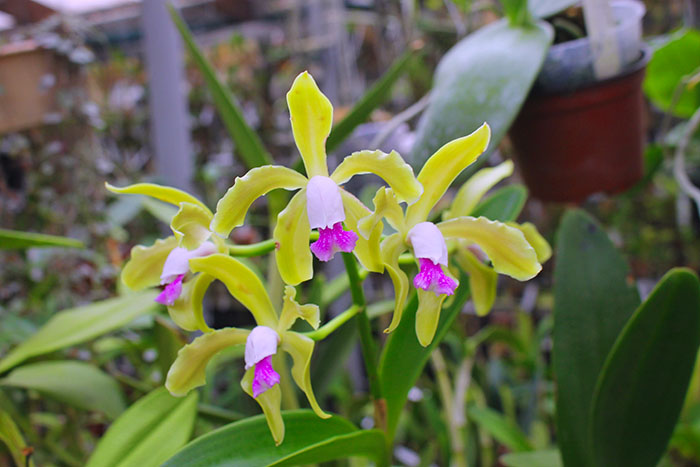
[(166, 262), (320, 203), (506, 246), (482, 278), (261, 343)]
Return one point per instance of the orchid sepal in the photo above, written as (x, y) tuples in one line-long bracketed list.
[(160, 192), (428, 315), (482, 281), (474, 189), (190, 225), (301, 349), (535, 239), (270, 402), (145, 264), (293, 256)]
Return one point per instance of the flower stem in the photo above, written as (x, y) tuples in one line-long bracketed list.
[(260, 248), (323, 332)]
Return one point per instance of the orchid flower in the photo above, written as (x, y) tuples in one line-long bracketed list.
[(260, 380), (166, 262), (321, 203), (483, 278), (505, 246)]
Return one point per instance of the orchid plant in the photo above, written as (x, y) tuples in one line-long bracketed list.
[(199, 252)]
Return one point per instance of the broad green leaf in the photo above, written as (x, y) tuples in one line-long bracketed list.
[(16, 240), (12, 438), (71, 327), (403, 357), (503, 205), (592, 301), (485, 77), (148, 433), (547, 458), (76, 383), (642, 386), (308, 440), (670, 63), (372, 99), (248, 143), (500, 428)]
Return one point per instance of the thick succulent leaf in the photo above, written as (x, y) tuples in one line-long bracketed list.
[(428, 315), (547, 8), (242, 283), (187, 310), (291, 311), (11, 437), (642, 386), (309, 440), (386, 206), (71, 327), (293, 255), (482, 281), (389, 167), (16, 240), (311, 114), (75, 383), (443, 167), (270, 402), (505, 246), (301, 349), (149, 432), (537, 241), (145, 264), (191, 225), (391, 248), (163, 193), (469, 196), (366, 249), (188, 370), (233, 206), (593, 298), (485, 77)]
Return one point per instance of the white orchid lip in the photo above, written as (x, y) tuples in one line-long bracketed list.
[(178, 261), (428, 242), (324, 205), (261, 343)]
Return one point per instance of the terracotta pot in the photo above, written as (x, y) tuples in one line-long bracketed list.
[(571, 145)]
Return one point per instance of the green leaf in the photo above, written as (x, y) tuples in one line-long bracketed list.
[(248, 143), (503, 205), (547, 8), (372, 99), (70, 327), (642, 387), (500, 428), (403, 358), (547, 458), (164, 212), (76, 383), (148, 433), (12, 438), (670, 63), (485, 77), (592, 301), (308, 440), (16, 240)]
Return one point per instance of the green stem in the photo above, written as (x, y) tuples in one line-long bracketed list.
[(260, 248), (323, 332)]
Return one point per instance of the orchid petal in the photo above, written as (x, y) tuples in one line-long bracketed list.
[(427, 242), (324, 204), (482, 281), (171, 292), (476, 187), (242, 283), (311, 114), (443, 167), (428, 315), (291, 233), (160, 192), (385, 206), (232, 208), (291, 311), (187, 310), (188, 370), (146, 264), (261, 343), (535, 239), (191, 225), (505, 246), (271, 403), (301, 348), (178, 261), (390, 167), (366, 250), (391, 249)]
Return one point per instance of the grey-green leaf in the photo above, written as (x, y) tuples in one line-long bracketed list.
[(592, 301), (642, 387), (484, 78), (546, 458), (308, 439), (70, 327), (148, 433), (546, 8), (75, 383), (504, 205), (500, 428), (16, 240)]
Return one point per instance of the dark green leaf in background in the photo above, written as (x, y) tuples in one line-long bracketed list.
[(547, 458), (505, 204), (500, 428)]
